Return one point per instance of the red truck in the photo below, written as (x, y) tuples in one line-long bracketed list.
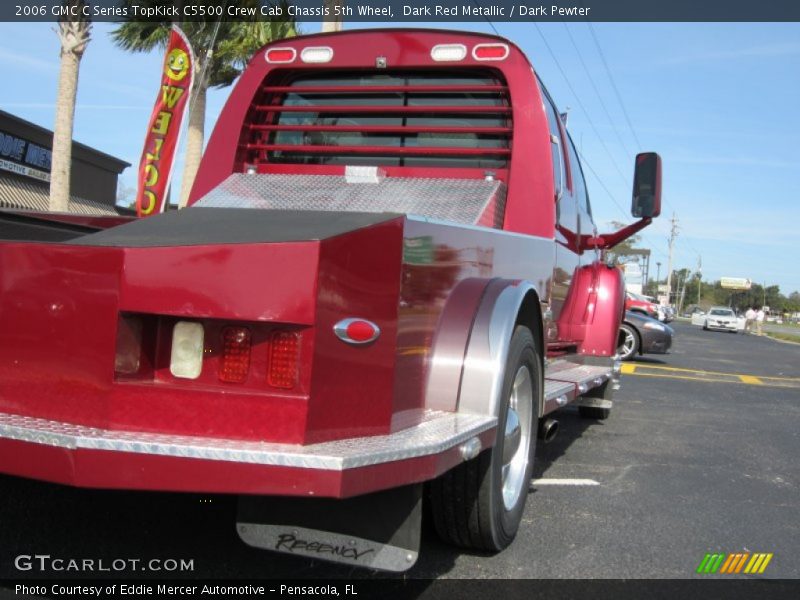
[(386, 284)]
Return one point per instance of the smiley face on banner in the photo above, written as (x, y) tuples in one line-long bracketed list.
[(177, 64)]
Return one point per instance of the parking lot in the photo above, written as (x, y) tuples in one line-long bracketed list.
[(699, 455)]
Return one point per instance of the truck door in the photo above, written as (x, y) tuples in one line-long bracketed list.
[(567, 226)]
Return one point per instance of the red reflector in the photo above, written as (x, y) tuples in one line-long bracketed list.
[(283, 354), (281, 55), (360, 331), (235, 361), (490, 51), (356, 331)]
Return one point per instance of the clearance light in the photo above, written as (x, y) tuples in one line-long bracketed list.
[(356, 331), (449, 52), (490, 52), (283, 354), (316, 54), (187, 350), (235, 361), (281, 55)]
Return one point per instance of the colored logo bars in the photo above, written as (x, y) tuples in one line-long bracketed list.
[(730, 564)]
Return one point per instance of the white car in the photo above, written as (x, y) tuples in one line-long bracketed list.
[(720, 318)]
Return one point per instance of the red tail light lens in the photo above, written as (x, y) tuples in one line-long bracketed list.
[(235, 362), (283, 357), (490, 52), (281, 55)]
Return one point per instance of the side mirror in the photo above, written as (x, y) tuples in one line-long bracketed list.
[(647, 186)]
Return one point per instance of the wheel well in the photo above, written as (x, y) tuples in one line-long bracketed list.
[(530, 315)]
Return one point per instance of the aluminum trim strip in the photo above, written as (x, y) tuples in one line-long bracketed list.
[(439, 431)]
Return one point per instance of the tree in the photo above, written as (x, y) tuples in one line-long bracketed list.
[(621, 250), (74, 36), (221, 49)]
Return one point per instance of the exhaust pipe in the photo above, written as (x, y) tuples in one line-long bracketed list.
[(548, 429)]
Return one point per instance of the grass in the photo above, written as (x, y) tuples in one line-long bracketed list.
[(786, 337)]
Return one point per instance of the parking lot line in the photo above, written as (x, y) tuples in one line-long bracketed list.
[(565, 482), (646, 370)]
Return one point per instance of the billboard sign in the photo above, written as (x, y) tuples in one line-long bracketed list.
[(735, 283)]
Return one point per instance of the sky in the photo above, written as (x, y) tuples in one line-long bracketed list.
[(718, 101)]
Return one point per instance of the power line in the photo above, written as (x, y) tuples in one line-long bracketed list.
[(621, 103), (594, 87), (614, 84), (578, 100)]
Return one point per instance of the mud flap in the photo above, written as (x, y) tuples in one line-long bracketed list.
[(378, 531)]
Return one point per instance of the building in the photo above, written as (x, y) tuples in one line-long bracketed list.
[(25, 156)]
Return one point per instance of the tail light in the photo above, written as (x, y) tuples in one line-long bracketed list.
[(283, 354), (449, 52), (235, 360), (280, 55), (490, 52), (128, 357), (186, 360)]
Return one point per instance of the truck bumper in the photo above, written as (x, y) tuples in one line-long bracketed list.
[(96, 458)]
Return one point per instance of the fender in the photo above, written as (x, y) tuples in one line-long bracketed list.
[(603, 312), (467, 370)]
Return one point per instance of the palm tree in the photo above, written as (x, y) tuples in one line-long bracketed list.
[(74, 36), (221, 49)]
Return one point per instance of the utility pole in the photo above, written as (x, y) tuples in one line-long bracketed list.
[(699, 276), (672, 235)]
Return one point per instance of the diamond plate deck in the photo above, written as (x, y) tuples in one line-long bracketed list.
[(439, 431), (580, 374), (554, 389), (457, 200)]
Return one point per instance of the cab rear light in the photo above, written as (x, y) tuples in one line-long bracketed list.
[(280, 55), (235, 360), (449, 52), (490, 52), (186, 359), (284, 353), (316, 54)]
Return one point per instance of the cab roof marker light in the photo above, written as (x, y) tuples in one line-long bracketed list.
[(280, 55), (317, 54), (490, 52), (449, 52)]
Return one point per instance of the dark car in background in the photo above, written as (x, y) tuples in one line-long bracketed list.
[(640, 334)]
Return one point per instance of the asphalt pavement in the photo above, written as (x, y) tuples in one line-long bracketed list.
[(699, 456)]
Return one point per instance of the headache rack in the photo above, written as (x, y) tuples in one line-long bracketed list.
[(457, 118)]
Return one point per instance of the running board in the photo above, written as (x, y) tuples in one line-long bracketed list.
[(566, 382)]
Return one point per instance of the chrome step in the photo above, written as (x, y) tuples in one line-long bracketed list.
[(565, 382)]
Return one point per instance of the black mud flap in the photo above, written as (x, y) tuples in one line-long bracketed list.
[(377, 531)]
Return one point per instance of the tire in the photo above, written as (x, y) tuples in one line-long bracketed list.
[(705, 326), (604, 392), (627, 342), (479, 504)]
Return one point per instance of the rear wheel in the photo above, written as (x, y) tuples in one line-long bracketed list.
[(479, 503)]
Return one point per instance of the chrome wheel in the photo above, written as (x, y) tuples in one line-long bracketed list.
[(626, 343), (517, 440)]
